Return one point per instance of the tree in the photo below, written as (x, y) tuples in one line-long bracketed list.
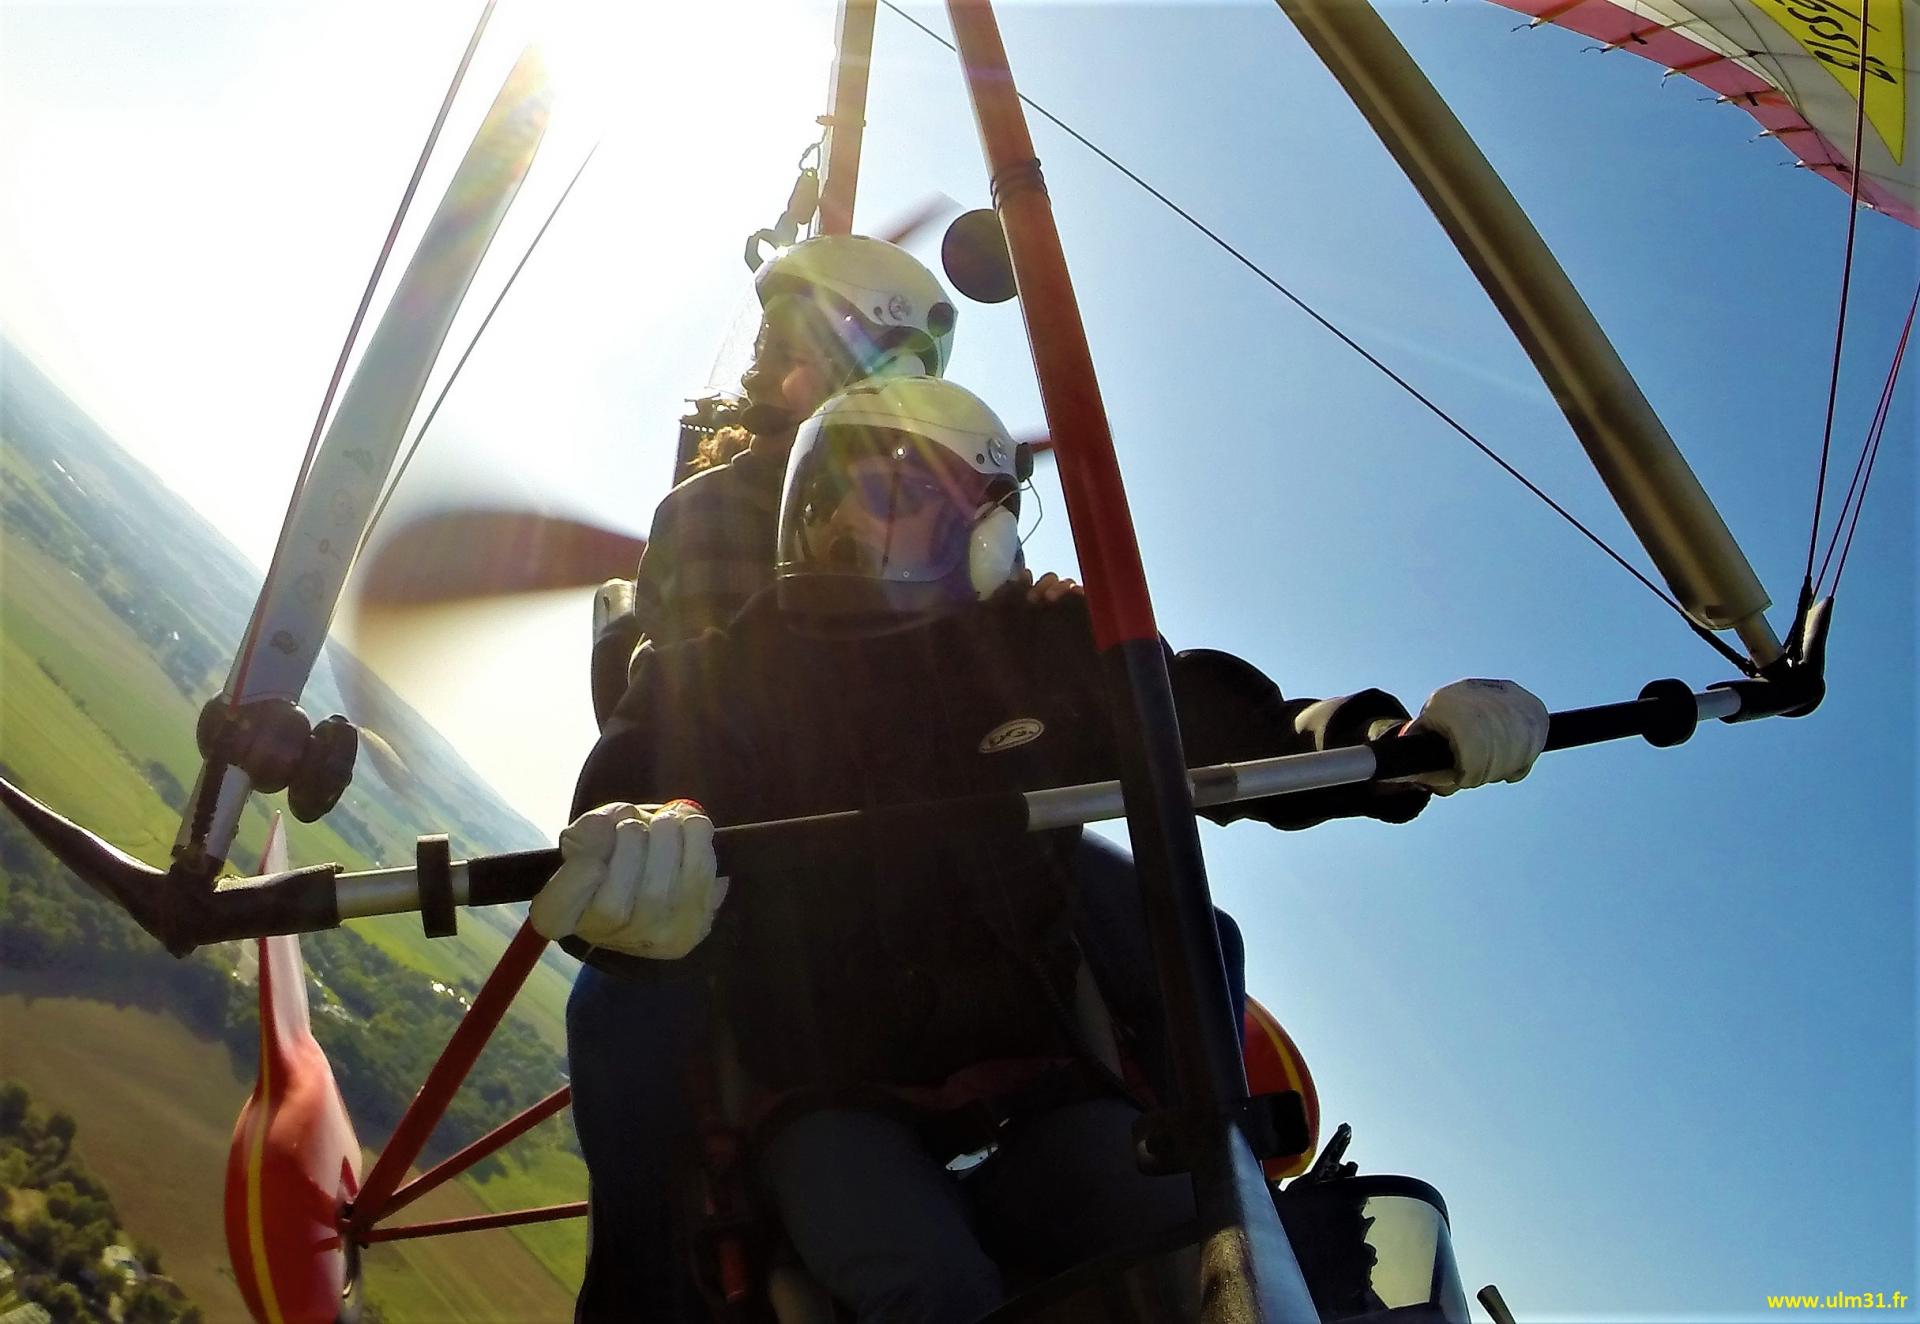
[(61, 1127), (144, 1304), (13, 1106), (14, 1166), (64, 1302)]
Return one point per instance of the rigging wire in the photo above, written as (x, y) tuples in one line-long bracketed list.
[(420, 433), (1879, 431), (1862, 465), (1718, 645), (1840, 327), (252, 640)]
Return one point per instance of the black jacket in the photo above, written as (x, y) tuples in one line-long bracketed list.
[(905, 968)]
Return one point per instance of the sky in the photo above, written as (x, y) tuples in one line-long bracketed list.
[(1647, 1019)]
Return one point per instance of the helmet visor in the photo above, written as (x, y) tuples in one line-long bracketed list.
[(876, 520)]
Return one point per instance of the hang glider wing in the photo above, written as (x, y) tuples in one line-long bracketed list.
[(1794, 65)]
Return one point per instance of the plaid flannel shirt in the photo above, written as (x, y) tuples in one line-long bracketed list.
[(711, 548)]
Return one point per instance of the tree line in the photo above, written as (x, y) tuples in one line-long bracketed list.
[(56, 1219)]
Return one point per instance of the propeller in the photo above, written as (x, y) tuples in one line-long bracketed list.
[(445, 559), (909, 224), (461, 554)]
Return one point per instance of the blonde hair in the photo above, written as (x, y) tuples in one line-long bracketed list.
[(719, 446)]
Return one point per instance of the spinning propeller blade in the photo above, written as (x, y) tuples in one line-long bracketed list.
[(905, 227), (455, 555)]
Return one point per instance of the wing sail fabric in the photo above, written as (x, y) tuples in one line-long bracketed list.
[(1794, 65)]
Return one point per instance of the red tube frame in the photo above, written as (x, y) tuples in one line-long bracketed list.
[(1249, 1271), (376, 1198), (476, 1223), (1159, 799), (487, 1145)]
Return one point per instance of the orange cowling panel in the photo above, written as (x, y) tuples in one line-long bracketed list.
[(294, 1161), (1274, 1065)]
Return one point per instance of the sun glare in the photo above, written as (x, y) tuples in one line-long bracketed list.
[(699, 77)]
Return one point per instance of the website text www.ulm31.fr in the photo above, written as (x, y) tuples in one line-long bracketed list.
[(1840, 1301)]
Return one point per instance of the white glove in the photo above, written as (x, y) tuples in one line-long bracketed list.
[(1496, 728), (639, 879)]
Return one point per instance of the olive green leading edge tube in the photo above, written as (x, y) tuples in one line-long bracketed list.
[(1650, 481)]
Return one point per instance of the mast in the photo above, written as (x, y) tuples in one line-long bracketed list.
[(1249, 1267), (1649, 479), (846, 118)]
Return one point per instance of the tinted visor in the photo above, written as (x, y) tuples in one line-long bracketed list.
[(877, 521), (854, 345)]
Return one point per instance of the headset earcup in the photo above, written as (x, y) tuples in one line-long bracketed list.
[(993, 549)]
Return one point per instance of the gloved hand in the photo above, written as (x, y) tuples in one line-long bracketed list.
[(1496, 728), (612, 601), (639, 879)]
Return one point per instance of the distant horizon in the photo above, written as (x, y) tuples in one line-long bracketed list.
[(521, 826)]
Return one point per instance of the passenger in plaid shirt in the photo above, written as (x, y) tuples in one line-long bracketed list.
[(836, 309)]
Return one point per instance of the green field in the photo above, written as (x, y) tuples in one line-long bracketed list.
[(156, 1106), (70, 673)]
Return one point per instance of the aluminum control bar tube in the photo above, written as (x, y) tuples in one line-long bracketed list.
[(1664, 717), (1210, 1080), (320, 896), (1650, 481)]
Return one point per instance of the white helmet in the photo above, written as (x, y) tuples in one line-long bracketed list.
[(901, 503), (881, 303)]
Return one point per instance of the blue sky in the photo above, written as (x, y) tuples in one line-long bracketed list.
[(1646, 1019)]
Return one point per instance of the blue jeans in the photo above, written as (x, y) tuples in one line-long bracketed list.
[(627, 1049), (1113, 936), (628, 1040), (888, 1231)]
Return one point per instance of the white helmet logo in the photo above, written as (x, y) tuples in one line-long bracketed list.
[(900, 308), (1011, 735)]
